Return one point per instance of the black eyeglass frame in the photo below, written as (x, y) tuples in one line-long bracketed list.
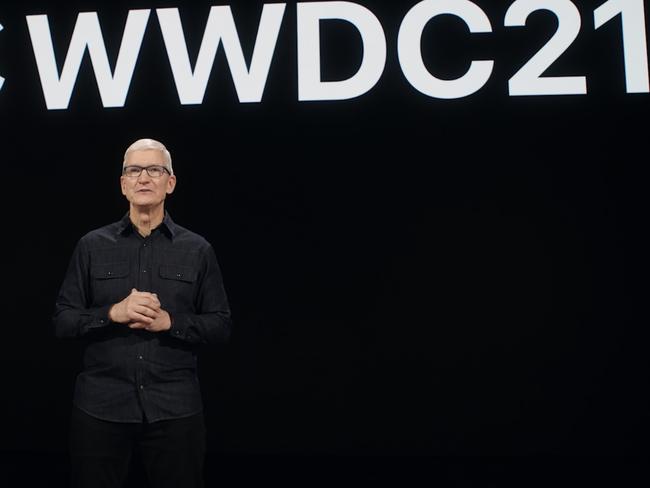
[(147, 168)]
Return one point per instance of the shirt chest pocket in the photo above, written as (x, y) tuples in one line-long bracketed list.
[(175, 272), (176, 290), (110, 282)]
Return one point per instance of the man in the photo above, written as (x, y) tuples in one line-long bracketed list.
[(141, 294)]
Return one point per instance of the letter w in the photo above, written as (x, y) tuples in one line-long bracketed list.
[(249, 83), (113, 88)]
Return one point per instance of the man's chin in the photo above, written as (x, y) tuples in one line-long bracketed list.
[(145, 203)]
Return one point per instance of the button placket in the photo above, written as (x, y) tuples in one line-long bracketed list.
[(145, 252)]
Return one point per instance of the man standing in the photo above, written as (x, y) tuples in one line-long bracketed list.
[(142, 294)]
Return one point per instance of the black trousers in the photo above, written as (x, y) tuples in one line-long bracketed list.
[(172, 451)]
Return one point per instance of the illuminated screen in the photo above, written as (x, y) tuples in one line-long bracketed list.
[(429, 216)]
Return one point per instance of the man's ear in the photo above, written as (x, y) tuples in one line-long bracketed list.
[(123, 185), (171, 184)]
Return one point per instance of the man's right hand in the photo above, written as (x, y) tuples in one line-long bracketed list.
[(139, 306)]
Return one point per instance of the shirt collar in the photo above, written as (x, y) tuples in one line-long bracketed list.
[(125, 226)]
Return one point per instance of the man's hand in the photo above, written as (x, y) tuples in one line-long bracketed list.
[(161, 322), (139, 307)]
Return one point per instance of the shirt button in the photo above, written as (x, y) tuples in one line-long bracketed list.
[(142, 387), (178, 332), (139, 357), (144, 270), (101, 321)]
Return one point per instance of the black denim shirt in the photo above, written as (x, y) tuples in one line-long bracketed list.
[(129, 374)]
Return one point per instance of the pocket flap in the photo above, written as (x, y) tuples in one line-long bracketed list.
[(110, 270), (177, 272)]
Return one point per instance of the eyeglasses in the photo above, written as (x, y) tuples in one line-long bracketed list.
[(154, 171)]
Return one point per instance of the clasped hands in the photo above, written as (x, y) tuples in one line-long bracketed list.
[(141, 310)]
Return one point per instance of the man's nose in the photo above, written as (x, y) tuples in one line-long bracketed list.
[(144, 176)]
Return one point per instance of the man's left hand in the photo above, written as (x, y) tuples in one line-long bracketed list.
[(161, 322)]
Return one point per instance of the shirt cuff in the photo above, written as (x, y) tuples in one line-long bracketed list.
[(99, 317), (179, 327)]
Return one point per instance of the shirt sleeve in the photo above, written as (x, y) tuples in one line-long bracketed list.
[(212, 322), (72, 316)]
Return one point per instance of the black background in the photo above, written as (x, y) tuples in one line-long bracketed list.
[(408, 276)]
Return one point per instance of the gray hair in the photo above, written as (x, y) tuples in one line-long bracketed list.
[(147, 145)]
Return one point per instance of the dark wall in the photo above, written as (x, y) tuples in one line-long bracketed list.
[(407, 274)]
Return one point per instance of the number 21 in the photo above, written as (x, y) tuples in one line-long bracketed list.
[(529, 80)]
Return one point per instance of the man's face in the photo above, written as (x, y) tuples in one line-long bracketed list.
[(144, 190)]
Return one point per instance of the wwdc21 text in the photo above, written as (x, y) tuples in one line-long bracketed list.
[(191, 78)]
